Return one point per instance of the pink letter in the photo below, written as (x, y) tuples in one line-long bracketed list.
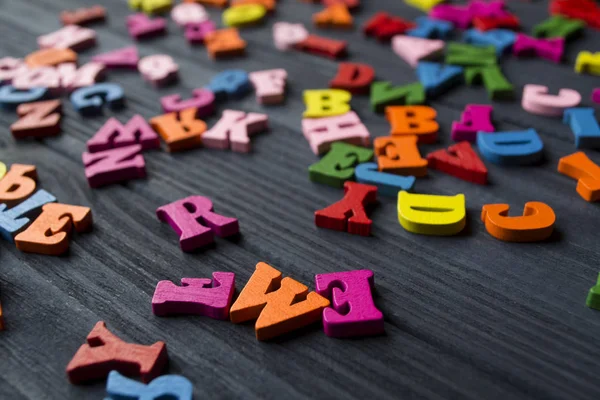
[(269, 85), (188, 13), (113, 135), (72, 78), (195, 33), (72, 37), (475, 118), (196, 296), (551, 49), (460, 16), (321, 132), (415, 49), (536, 100), (353, 312), (235, 128), (46, 77), (139, 25), (596, 96), (203, 100), (286, 35), (188, 218), (115, 165), (159, 69), (10, 68), (126, 57), (492, 9)]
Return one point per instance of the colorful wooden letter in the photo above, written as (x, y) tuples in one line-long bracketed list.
[(326, 103), (49, 233), (413, 120), (461, 161), (337, 166), (354, 77), (475, 118), (276, 311), (172, 387), (353, 312), (230, 83), (126, 57), (269, 85), (383, 94), (37, 120), (384, 26), (470, 56), (349, 214), (18, 184), (140, 26), (197, 296), (115, 165), (113, 134), (432, 215), (431, 28), (400, 154), (584, 126), (203, 101), (224, 43), (195, 222), (387, 184), (89, 100), (511, 148), (413, 49), (536, 224), (14, 220), (72, 37), (159, 69), (593, 297), (437, 79), (286, 35), (335, 16), (104, 352), (550, 49), (11, 97), (322, 132), (578, 166), (536, 100), (180, 130), (588, 62), (496, 84), (234, 130), (83, 16)]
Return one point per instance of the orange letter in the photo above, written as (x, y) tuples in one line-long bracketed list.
[(579, 166), (537, 222), (224, 43), (18, 184), (336, 15), (276, 311), (399, 154), (48, 234), (413, 120), (180, 130)]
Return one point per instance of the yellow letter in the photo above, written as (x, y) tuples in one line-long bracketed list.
[(245, 14), (588, 62), (326, 103), (432, 215)]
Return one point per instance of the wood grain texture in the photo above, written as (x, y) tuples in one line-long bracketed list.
[(467, 317)]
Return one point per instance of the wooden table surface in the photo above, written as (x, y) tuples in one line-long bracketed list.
[(466, 317)]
